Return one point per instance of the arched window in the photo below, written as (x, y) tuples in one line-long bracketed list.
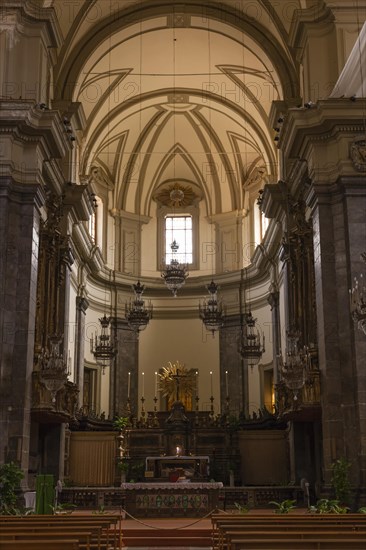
[(179, 228), (178, 219)]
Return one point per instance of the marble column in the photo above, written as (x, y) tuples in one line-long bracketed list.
[(19, 237)]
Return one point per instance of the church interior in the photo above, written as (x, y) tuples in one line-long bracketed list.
[(183, 246)]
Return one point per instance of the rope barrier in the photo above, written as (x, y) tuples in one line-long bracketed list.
[(175, 528)]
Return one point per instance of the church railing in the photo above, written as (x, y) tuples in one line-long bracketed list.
[(115, 497)]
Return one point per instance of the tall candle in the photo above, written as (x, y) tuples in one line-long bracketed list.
[(226, 384), (128, 385), (211, 383), (143, 384), (156, 383)]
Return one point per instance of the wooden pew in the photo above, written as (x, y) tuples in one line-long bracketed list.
[(98, 533), (223, 523), (47, 544), (83, 537), (110, 536), (296, 544), (271, 536)]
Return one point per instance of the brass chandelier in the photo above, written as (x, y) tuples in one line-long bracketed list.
[(101, 347), (175, 273), (137, 315), (252, 342), (211, 311), (53, 367), (294, 369)]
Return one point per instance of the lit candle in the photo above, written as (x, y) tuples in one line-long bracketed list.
[(128, 385), (156, 383), (211, 383), (226, 384), (143, 384)]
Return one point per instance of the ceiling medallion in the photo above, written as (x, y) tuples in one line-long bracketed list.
[(176, 196)]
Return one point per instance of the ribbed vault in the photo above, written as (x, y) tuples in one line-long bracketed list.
[(170, 92)]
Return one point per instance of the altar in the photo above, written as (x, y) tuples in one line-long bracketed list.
[(177, 467), (179, 499)]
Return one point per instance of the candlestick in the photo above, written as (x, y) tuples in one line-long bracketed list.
[(156, 383), (226, 384), (128, 385), (143, 384), (211, 382)]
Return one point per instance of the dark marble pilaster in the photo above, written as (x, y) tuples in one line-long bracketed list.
[(231, 361), (82, 305), (339, 225), (273, 300), (19, 238), (125, 361)]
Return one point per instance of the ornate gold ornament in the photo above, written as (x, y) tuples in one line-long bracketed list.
[(176, 381), (176, 195)]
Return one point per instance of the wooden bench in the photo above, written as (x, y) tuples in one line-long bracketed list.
[(107, 527), (46, 544), (228, 526), (83, 537), (296, 544), (273, 536)]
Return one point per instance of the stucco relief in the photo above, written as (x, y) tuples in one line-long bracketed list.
[(358, 154)]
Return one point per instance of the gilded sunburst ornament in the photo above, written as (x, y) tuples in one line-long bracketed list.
[(176, 195), (177, 379)]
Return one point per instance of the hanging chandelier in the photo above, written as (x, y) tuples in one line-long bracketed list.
[(101, 347), (358, 301), (137, 315), (252, 343), (294, 369), (211, 311), (53, 368), (175, 273)]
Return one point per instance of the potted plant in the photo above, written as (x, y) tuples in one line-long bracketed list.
[(340, 480), (122, 467), (120, 423), (10, 478), (328, 506), (283, 507)]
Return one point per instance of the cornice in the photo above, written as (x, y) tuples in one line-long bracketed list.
[(318, 17), (77, 198), (32, 13), (320, 122), (29, 123)]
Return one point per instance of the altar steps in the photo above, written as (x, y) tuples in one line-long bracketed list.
[(167, 538)]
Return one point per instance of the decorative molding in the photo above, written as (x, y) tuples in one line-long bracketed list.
[(358, 154)]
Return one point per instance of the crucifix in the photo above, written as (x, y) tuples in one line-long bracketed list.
[(177, 377)]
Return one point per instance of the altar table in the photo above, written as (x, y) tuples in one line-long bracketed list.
[(177, 499), (193, 466)]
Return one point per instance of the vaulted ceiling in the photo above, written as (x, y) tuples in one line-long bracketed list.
[(176, 91)]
